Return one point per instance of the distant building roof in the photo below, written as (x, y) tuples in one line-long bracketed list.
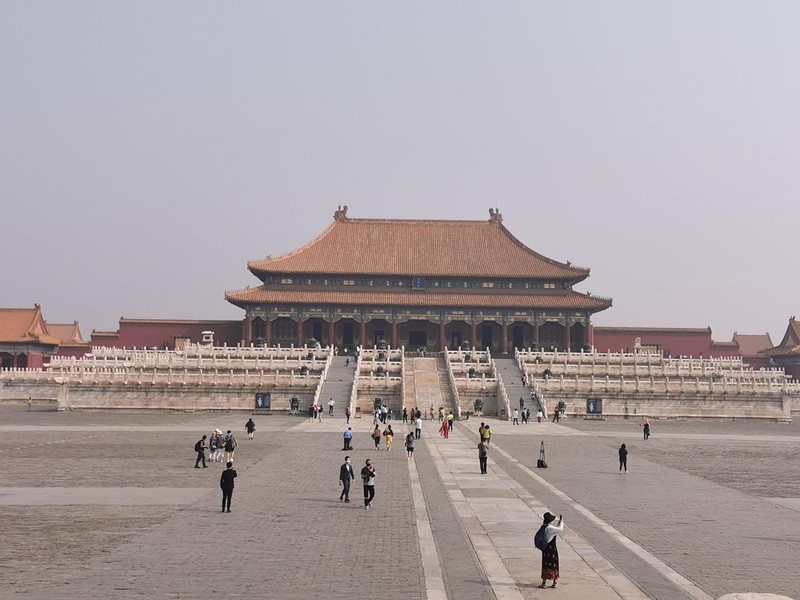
[(555, 300), (68, 334), (790, 344), (410, 247), (751, 345), (24, 326)]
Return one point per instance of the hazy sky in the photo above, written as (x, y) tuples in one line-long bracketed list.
[(148, 150)]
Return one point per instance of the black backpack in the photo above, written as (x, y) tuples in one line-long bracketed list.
[(198, 447), (538, 539)]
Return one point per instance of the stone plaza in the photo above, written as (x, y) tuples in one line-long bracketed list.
[(107, 505)]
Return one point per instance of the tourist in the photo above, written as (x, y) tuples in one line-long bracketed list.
[(417, 413), (389, 435), (526, 413), (318, 410), (487, 434), (226, 483), (515, 417), (521, 403), (376, 437), (410, 446), (368, 474), (450, 421), (556, 414), (550, 551), (623, 459), (522, 379), (250, 428), (213, 447), (441, 414), (539, 416), (646, 429), (444, 430), (346, 475), (405, 415), (348, 438), (347, 414), (200, 448), (331, 403), (432, 412), (483, 456), (418, 428), (220, 446), (480, 431), (346, 361), (230, 446), (311, 412), (389, 414)]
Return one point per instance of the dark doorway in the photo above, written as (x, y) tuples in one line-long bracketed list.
[(379, 336), (316, 331), (486, 336), (418, 339), (348, 335), (518, 336), (455, 340)]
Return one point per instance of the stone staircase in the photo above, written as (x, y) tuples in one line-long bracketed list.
[(338, 385), (507, 368), (409, 384), (445, 389)]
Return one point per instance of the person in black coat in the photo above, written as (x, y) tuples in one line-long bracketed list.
[(226, 483), (346, 475)]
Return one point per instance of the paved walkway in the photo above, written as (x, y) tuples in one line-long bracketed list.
[(438, 529)]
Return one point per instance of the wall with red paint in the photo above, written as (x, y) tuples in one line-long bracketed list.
[(162, 333), (677, 342)]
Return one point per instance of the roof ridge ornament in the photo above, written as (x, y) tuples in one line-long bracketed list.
[(341, 213), (495, 217)]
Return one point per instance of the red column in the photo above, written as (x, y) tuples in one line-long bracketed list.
[(363, 337), (536, 332), (473, 332), (299, 332), (567, 329), (247, 331), (331, 333), (395, 341), (268, 332), (441, 337), (504, 338)]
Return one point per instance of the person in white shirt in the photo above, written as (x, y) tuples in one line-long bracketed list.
[(418, 428), (550, 552), (539, 415), (516, 417), (331, 403)]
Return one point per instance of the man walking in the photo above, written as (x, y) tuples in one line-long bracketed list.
[(226, 483), (556, 414), (346, 475), (331, 403), (347, 414), (200, 448), (418, 428), (450, 421), (368, 474), (483, 456), (230, 446), (515, 417), (348, 437), (250, 428)]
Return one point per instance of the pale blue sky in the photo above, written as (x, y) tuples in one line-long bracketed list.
[(148, 150)]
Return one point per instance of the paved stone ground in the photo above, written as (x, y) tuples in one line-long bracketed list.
[(696, 504), (695, 499)]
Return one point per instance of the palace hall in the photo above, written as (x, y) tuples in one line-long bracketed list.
[(420, 284)]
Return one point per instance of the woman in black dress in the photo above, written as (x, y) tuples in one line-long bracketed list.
[(550, 552)]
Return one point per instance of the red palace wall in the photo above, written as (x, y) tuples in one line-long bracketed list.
[(677, 342), (162, 333)]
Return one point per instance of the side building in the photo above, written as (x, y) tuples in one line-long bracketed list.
[(417, 283)]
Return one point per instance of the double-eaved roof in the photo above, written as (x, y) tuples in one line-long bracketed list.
[(790, 344), (418, 248), (24, 326), (482, 250)]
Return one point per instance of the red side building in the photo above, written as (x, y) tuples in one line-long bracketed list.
[(417, 283), (24, 339), (167, 333)]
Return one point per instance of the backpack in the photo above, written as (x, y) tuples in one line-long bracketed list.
[(198, 447), (538, 539)]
